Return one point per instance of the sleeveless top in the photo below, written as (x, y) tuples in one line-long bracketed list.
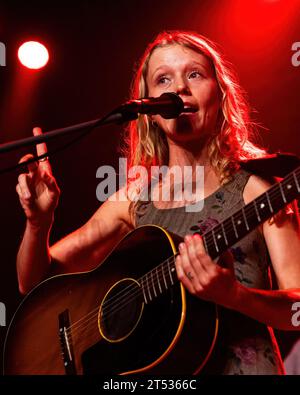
[(244, 346)]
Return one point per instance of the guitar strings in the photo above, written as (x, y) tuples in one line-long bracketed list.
[(116, 306), (127, 290), (109, 304)]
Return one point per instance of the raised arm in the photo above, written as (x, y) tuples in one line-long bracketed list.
[(81, 250)]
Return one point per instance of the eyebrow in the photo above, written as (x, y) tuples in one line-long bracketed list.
[(193, 63)]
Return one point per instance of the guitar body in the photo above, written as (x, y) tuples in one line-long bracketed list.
[(109, 321)]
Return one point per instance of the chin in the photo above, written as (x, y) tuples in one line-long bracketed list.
[(188, 136), (184, 137)]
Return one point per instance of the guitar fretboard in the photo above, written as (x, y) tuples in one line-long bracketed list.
[(224, 235), (234, 228)]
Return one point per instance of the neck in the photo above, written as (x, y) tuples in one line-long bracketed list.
[(188, 154)]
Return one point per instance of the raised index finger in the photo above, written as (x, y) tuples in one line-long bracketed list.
[(42, 149)]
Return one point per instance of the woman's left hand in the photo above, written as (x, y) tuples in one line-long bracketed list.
[(202, 276)]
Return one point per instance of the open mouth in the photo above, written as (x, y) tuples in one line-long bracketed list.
[(190, 109)]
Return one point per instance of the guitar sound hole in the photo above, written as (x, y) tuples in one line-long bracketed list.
[(121, 310)]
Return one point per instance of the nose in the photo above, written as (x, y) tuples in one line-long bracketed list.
[(181, 87)]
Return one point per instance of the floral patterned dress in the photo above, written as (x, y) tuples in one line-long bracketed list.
[(244, 346)]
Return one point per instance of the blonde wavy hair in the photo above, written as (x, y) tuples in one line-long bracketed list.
[(147, 146)]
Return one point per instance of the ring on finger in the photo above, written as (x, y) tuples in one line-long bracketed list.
[(44, 159), (189, 276)]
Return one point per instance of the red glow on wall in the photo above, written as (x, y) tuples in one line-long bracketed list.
[(257, 19)]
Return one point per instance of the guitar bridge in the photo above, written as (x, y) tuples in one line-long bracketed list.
[(65, 337)]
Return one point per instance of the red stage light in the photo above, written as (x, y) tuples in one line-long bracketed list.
[(33, 55)]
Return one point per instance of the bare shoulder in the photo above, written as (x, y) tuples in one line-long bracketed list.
[(281, 234), (256, 186)]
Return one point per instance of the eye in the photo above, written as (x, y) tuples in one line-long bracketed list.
[(195, 74), (162, 79)]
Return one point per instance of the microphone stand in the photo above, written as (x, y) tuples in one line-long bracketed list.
[(118, 116)]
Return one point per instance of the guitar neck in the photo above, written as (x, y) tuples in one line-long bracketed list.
[(242, 222), (227, 233)]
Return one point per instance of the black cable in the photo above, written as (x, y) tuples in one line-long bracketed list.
[(23, 165), (49, 154)]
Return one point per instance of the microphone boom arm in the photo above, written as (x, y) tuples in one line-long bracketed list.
[(169, 105)]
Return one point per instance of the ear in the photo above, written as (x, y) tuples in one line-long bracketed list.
[(153, 122)]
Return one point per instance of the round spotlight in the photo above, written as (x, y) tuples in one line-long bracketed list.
[(33, 55)]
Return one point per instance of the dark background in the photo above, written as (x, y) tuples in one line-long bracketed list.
[(93, 49)]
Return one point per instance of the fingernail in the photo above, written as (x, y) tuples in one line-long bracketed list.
[(181, 246)]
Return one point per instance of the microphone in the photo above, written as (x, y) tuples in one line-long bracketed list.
[(168, 105)]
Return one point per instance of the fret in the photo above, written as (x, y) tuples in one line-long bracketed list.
[(152, 277), (223, 230), (282, 192), (144, 294), (234, 227), (257, 213), (245, 219), (170, 274), (205, 245), (158, 281), (296, 181), (173, 270), (163, 272), (149, 293), (269, 202), (214, 237)]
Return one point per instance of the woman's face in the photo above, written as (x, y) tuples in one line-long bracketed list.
[(179, 69)]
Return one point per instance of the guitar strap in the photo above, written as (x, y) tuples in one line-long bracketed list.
[(272, 165)]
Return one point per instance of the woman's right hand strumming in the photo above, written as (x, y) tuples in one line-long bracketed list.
[(38, 191)]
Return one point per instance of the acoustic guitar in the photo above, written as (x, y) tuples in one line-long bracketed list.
[(130, 314)]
